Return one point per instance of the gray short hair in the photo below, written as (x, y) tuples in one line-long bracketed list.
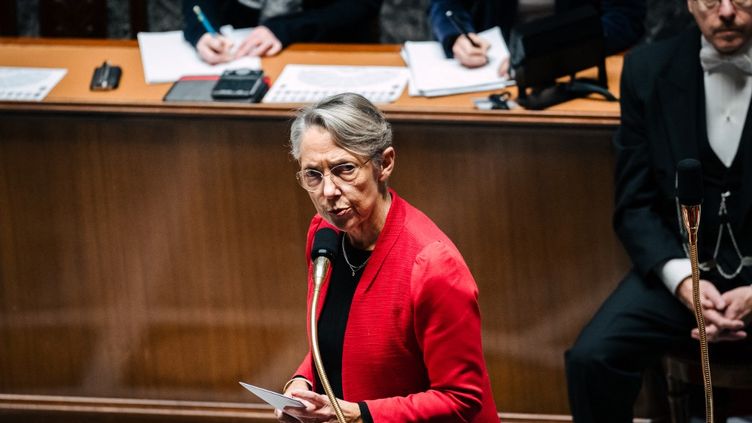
[(354, 123)]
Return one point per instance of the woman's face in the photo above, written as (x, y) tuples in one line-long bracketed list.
[(354, 206)]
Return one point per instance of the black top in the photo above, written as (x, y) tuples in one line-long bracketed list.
[(336, 21), (718, 179), (334, 315)]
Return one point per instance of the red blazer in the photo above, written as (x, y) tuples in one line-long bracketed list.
[(412, 347)]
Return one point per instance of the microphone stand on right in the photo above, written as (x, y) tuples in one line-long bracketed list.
[(689, 190)]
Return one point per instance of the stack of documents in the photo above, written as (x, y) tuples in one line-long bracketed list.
[(311, 83), (432, 74), (167, 57)]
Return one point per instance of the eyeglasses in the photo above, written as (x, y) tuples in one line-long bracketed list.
[(710, 4), (311, 179)]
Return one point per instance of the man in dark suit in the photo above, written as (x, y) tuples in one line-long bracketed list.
[(622, 22), (687, 97)]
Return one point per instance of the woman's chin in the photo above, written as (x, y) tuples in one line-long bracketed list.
[(341, 219)]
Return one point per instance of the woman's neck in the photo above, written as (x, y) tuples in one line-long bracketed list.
[(365, 239)]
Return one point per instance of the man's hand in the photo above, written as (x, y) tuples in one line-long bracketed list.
[(504, 67), (467, 54), (472, 57), (214, 49), (739, 303), (260, 42), (718, 325)]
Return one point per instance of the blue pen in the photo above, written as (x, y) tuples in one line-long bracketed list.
[(202, 18)]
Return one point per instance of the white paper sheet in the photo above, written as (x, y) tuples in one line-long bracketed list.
[(433, 74), (166, 57), (274, 399), (28, 84), (311, 83)]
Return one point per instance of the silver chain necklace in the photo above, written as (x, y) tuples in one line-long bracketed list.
[(744, 261), (344, 254)]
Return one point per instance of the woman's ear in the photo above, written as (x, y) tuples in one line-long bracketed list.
[(387, 164)]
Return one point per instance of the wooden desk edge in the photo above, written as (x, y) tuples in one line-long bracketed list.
[(67, 405), (287, 111), (202, 409)]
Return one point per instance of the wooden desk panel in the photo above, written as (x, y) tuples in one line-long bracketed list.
[(530, 210), (159, 245), (156, 251), (162, 257)]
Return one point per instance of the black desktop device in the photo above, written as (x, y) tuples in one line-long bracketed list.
[(240, 84), (561, 45)]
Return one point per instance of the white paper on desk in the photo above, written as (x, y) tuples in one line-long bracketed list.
[(433, 74), (28, 84), (167, 57), (311, 83)]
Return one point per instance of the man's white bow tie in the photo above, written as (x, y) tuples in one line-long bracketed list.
[(711, 60)]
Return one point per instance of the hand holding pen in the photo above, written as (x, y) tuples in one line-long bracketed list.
[(469, 49), (212, 47)]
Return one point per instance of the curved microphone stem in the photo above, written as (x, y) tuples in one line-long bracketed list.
[(691, 218), (317, 355)]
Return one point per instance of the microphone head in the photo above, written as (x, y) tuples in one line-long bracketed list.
[(324, 244), (689, 182)]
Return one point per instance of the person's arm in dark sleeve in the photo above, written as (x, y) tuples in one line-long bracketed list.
[(647, 238), (325, 23), (623, 23), (192, 28), (442, 28)]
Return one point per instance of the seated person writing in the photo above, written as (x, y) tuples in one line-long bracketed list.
[(622, 23), (278, 23)]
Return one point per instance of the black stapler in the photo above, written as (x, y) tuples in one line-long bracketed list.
[(105, 78)]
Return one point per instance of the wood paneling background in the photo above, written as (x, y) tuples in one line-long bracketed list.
[(162, 256)]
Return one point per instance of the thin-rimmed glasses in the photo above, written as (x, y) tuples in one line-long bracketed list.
[(311, 179)]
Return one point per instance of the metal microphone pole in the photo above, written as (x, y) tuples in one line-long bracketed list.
[(690, 196), (324, 248), (317, 355)]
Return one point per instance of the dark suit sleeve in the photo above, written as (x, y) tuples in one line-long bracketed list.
[(623, 23), (649, 239), (218, 12), (338, 20), (622, 20), (442, 28), (192, 28)]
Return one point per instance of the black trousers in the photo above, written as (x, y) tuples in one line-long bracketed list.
[(635, 326)]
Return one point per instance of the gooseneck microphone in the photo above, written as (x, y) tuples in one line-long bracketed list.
[(323, 252), (689, 194)]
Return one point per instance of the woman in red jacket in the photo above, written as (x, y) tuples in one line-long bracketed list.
[(399, 324)]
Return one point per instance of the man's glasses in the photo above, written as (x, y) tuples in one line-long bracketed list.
[(710, 4), (311, 179)]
